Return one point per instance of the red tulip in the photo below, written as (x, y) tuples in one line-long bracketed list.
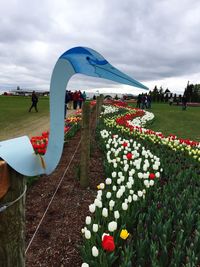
[(152, 176), (108, 243), (125, 144), (129, 156)]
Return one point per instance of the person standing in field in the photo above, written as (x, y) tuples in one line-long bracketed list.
[(184, 102), (34, 99)]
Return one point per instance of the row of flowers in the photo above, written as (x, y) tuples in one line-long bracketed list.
[(133, 171), (134, 121)]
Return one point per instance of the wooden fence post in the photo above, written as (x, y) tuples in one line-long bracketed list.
[(98, 107), (12, 223), (85, 145)]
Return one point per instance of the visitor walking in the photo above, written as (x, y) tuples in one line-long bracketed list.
[(171, 101), (139, 100), (66, 102), (184, 102), (148, 101), (34, 99)]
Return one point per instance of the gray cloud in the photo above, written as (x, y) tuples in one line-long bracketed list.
[(150, 41)]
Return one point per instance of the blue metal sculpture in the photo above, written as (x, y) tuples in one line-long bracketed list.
[(18, 152)]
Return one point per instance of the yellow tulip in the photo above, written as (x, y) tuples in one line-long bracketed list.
[(98, 187), (124, 234)]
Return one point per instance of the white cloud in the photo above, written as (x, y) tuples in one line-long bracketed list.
[(155, 43)]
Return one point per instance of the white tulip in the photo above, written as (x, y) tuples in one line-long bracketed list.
[(92, 208), (129, 199), (95, 227), (140, 193), (119, 193), (115, 165), (112, 226), (120, 174), (98, 203), (122, 178), (145, 175), (155, 167), (102, 185), (124, 206), (157, 174), (111, 203), (114, 174), (116, 214), (151, 182), (114, 188), (119, 181), (88, 220), (87, 234), (131, 192), (108, 195), (105, 212), (108, 181), (140, 175), (135, 197), (85, 265), (95, 251), (129, 185), (137, 166)]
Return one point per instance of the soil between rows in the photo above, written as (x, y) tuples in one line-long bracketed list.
[(59, 237)]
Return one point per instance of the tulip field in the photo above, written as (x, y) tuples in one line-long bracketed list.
[(147, 210)]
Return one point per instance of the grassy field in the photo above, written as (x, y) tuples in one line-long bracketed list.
[(173, 120), (14, 115)]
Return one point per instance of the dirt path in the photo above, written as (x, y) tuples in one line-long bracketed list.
[(57, 242), (30, 128)]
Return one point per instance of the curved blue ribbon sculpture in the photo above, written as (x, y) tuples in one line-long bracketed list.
[(18, 152)]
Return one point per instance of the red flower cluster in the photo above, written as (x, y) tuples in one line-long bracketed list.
[(119, 103), (152, 176), (40, 143), (123, 120), (93, 103), (108, 243)]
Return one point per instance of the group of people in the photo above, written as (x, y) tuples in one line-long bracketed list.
[(74, 100), (144, 101), (182, 99)]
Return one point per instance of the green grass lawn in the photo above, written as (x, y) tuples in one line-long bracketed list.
[(173, 120), (15, 108)]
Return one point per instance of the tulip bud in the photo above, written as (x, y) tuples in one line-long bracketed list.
[(95, 251), (88, 220)]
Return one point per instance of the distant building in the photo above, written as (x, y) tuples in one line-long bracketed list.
[(28, 92)]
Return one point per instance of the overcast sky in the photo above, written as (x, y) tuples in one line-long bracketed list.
[(156, 42)]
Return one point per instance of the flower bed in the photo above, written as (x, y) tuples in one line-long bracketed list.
[(126, 122), (131, 225), (132, 171)]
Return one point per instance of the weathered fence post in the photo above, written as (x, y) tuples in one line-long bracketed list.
[(85, 145), (98, 107), (12, 223)]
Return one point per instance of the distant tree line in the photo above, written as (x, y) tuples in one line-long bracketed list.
[(192, 94)]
